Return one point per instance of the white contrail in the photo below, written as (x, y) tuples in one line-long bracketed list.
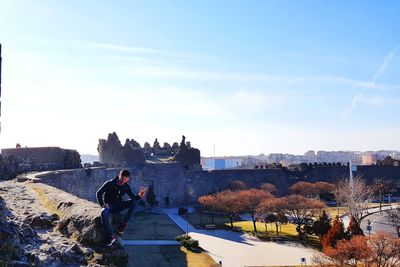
[(382, 68), (389, 57)]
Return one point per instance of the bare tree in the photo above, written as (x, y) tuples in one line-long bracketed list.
[(312, 190), (303, 188), (354, 196), (301, 209), (230, 203), (270, 209), (380, 186), (323, 188), (268, 187), (393, 217), (251, 198), (209, 203), (237, 185), (385, 250)]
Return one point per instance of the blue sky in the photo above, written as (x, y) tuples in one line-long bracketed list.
[(247, 76)]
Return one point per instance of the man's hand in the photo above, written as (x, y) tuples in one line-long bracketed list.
[(142, 192), (105, 206)]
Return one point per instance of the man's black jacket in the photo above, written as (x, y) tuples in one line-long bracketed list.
[(111, 192)]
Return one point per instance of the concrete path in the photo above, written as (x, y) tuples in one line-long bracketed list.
[(346, 218), (379, 224), (149, 242), (378, 221), (238, 249)]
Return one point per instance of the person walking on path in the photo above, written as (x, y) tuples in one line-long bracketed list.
[(109, 196)]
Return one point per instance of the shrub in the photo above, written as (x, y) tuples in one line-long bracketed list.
[(150, 196), (188, 242), (182, 211), (180, 238)]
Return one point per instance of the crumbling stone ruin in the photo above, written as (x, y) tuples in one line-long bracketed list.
[(189, 157), (14, 161), (111, 151)]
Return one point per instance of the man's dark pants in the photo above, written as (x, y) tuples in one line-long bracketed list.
[(117, 207)]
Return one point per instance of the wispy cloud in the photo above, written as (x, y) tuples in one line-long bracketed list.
[(127, 49), (359, 97), (153, 64), (256, 77), (380, 101), (130, 49), (318, 58)]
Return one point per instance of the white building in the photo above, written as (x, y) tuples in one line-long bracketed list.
[(221, 163)]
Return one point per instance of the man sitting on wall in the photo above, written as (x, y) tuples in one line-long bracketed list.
[(109, 196)]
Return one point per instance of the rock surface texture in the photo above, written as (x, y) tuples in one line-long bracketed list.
[(44, 226)]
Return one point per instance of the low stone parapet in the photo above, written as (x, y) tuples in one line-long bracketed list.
[(80, 219)]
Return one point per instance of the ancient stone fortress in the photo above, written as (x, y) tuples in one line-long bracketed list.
[(173, 173), (111, 151), (65, 194), (14, 161)]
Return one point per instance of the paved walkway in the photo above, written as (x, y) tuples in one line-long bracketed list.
[(238, 249), (346, 218), (149, 242)]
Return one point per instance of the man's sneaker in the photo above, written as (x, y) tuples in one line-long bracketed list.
[(121, 228), (111, 242)]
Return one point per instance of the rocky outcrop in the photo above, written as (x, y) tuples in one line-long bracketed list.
[(42, 221), (80, 219), (28, 236), (10, 247)]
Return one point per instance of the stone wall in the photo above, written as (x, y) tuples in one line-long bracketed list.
[(369, 173), (180, 186), (172, 182), (169, 181), (9, 167), (204, 182), (42, 158)]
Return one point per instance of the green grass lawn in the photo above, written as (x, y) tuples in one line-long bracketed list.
[(287, 229), (286, 233)]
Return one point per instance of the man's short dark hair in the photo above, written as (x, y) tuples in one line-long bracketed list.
[(124, 173)]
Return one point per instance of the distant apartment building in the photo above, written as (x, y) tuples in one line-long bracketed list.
[(221, 163), (369, 158), (310, 157), (259, 161)]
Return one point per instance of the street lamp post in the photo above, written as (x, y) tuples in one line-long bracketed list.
[(369, 227)]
